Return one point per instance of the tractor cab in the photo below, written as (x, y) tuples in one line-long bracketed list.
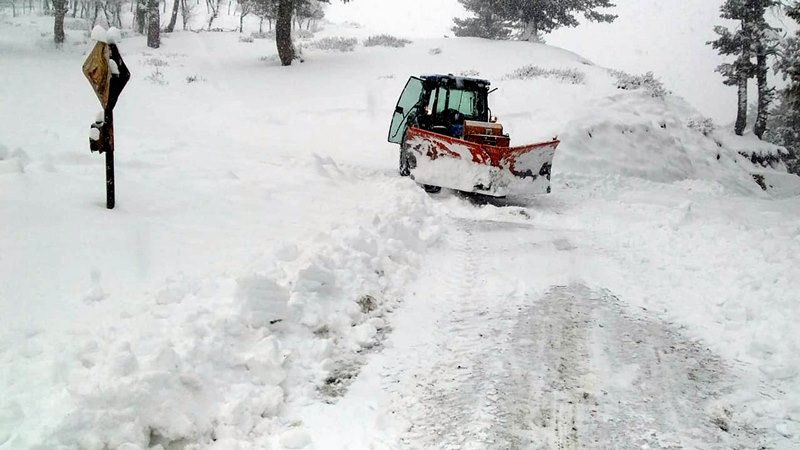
[(441, 104), (448, 138)]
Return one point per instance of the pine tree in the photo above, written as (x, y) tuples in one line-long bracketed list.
[(528, 19), (543, 16), (764, 45), (785, 123), (736, 43), (752, 38), (488, 22), (283, 28)]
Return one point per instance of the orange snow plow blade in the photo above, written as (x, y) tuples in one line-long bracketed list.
[(495, 169)]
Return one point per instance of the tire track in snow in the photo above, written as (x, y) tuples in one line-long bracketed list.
[(570, 369)]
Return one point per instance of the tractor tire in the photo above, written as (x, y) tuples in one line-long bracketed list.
[(407, 162)]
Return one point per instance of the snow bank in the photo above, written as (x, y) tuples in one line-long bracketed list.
[(341, 283), (206, 360), (632, 134)]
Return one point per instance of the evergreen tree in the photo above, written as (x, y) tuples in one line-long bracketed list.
[(283, 28), (764, 45), (532, 17), (736, 43), (528, 19), (785, 123), (488, 22), (752, 37)]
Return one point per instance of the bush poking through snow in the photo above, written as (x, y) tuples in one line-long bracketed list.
[(701, 125), (337, 43), (155, 62), (571, 76), (194, 78), (263, 35), (435, 51), (157, 77), (385, 40), (246, 39), (646, 82)]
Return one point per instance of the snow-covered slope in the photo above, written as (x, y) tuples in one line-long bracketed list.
[(262, 238)]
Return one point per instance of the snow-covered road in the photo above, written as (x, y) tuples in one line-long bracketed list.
[(501, 343)]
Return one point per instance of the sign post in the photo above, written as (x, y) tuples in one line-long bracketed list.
[(108, 75)]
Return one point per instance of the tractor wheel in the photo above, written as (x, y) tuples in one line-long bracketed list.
[(407, 162)]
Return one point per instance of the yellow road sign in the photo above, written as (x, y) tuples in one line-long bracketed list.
[(98, 73)]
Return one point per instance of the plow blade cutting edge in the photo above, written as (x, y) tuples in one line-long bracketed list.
[(473, 167)]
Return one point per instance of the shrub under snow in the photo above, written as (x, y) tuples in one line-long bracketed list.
[(647, 82), (385, 40), (336, 43), (528, 72)]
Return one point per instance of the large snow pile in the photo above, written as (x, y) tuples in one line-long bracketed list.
[(206, 360)]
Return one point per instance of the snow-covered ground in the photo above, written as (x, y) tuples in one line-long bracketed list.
[(268, 281)]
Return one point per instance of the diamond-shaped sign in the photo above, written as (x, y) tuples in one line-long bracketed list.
[(98, 73)]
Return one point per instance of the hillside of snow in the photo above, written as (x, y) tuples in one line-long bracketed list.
[(667, 38), (265, 266)]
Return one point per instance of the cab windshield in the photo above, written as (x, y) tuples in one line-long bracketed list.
[(468, 103)]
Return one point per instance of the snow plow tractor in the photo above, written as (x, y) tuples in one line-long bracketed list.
[(448, 138)]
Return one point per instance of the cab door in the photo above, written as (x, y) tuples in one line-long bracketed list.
[(406, 106)]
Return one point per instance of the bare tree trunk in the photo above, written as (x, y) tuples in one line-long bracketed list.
[(185, 16), (283, 32), (531, 32), (118, 14), (153, 24), (59, 11), (109, 19), (96, 12), (260, 25), (763, 91), (174, 17), (141, 9), (215, 8), (741, 115)]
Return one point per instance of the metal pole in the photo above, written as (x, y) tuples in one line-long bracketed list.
[(109, 124)]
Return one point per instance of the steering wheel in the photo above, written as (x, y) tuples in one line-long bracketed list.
[(452, 116)]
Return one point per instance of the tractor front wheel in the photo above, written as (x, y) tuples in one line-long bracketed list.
[(407, 162)]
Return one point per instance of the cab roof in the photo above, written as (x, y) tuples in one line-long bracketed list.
[(451, 80)]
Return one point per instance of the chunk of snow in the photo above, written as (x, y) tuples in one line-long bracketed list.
[(295, 438), (94, 134), (99, 34), (112, 66), (113, 35)]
